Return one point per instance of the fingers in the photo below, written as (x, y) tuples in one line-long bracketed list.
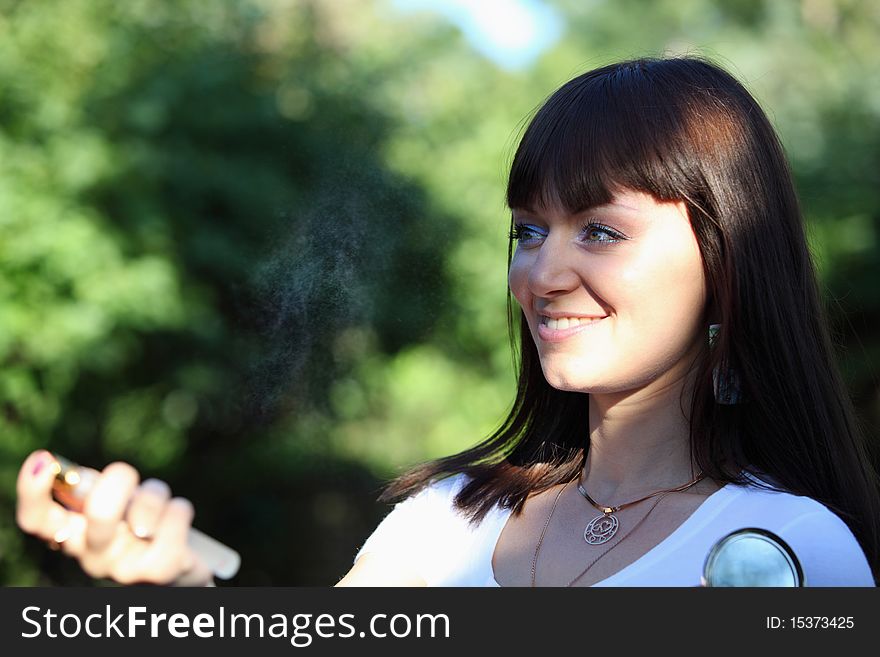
[(147, 507), (129, 532), (36, 512), (198, 575), (33, 491), (106, 504), (71, 538), (162, 559), (168, 555)]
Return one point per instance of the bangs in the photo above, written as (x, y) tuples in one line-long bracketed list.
[(622, 126)]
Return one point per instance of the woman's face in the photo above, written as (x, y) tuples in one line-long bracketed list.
[(632, 274)]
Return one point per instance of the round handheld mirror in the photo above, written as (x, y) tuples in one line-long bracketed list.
[(752, 557)]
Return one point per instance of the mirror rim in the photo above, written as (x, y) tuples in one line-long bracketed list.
[(767, 535)]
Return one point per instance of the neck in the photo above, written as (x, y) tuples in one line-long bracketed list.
[(639, 443)]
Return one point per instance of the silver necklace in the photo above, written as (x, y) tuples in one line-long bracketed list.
[(602, 528)]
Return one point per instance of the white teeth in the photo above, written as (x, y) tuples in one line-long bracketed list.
[(565, 322)]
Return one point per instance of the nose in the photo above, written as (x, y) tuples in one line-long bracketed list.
[(551, 272)]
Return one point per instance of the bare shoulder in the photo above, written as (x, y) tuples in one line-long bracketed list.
[(375, 569), (419, 533)]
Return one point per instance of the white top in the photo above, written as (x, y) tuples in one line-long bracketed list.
[(437, 542)]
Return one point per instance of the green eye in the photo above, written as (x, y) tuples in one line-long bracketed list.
[(605, 234)]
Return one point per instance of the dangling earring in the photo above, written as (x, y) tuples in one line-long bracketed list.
[(725, 381)]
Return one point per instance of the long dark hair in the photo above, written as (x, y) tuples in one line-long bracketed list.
[(683, 129)]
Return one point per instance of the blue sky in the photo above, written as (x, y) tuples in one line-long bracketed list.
[(512, 33)]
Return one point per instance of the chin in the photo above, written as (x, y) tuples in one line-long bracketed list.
[(573, 381), (561, 381)]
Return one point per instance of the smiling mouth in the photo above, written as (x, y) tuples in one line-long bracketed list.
[(567, 322)]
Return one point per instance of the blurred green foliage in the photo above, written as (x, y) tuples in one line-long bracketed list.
[(258, 248)]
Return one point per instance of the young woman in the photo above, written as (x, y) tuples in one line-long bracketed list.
[(650, 201)]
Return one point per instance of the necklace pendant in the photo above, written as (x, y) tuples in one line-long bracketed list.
[(601, 529)]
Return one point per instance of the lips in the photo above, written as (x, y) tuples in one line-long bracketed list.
[(552, 329)]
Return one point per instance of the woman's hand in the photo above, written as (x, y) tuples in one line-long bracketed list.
[(128, 531)]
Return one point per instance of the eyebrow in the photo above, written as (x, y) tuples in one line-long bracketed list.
[(613, 205), (593, 208)]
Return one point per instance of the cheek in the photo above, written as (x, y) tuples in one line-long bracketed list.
[(517, 280), (669, 292), (685, 278)]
